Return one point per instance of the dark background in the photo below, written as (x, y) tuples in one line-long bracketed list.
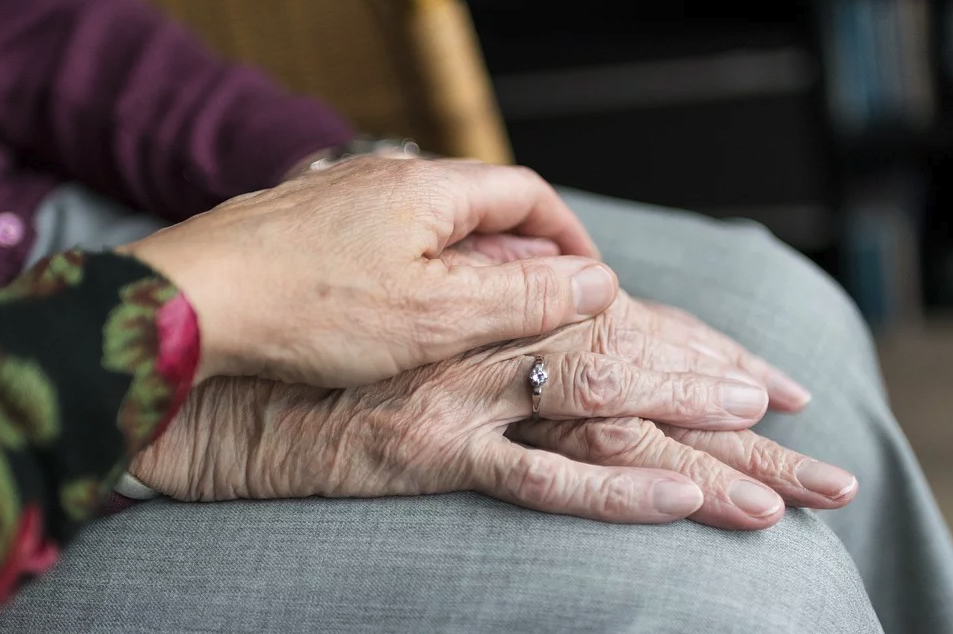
[(829, 122)]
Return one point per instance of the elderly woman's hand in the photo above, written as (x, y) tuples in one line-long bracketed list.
[(441, 428), (334, 278)]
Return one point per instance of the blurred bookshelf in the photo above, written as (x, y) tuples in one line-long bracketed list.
[(829, 122)]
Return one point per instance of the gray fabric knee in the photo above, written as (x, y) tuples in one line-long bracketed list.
[(458, 563)]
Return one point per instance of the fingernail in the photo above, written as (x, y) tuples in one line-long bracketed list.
[(744, 401), (754, 499), (788, 389), (828, 480), (670, 497), (593, 289)]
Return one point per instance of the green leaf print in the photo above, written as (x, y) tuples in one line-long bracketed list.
[(28, 403), (80, 498), (131, 346), (48, 276), (10, 509), (130, 341), (10, 436), (143, 408)]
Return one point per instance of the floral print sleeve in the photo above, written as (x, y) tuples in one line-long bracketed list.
[(97, 353)]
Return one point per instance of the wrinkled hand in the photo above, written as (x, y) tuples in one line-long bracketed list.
[(334, 278), (649, 334), (440, 428)]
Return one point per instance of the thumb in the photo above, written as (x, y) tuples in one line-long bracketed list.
[(527, 298)]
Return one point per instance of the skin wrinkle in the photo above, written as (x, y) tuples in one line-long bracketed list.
[(604, 443), (443, 322), (646, 443), (532, 313), (339, 466), (644, 348), (348, 432), (686, 460), (761, 458), (597, 387), (615, 495), (290, 426), (257, 457), (611, 335), (206, 415), (688, 395), (741, 446)]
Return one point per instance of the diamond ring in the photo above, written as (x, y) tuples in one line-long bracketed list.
[(537, 378)]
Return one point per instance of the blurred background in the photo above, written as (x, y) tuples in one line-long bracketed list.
[(830, 122)]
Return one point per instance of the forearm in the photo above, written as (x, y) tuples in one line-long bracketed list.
[(97, 353), (112, 94)]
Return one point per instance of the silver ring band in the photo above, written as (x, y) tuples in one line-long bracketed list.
[(537, 379)]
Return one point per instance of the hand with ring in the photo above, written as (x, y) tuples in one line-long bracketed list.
[(621, 437)]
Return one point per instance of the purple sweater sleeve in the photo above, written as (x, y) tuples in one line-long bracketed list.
[(112, 94)]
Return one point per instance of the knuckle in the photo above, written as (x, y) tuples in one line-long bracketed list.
[(702, 468), (648, 446), (764, 457), (534, 479), (682, 457), (687, 461), (606, 443), (698, 465), (597, 384), (656, 446), (615, 495), (621, 442), (544, 307), (607, 337), (690, 396)]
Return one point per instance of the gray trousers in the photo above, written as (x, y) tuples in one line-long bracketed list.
[(464, 563)]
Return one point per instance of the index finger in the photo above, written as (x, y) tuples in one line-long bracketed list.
[(681, 328), (504, 198)]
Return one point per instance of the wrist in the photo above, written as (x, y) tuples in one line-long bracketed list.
[(214, 352)]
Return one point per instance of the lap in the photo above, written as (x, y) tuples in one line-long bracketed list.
[(465, 563), (449, 563)]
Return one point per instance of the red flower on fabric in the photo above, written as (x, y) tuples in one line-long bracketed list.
[(29, 554), (153, 335), (177, 330)]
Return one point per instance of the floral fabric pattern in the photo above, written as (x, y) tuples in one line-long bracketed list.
[(47, 277), (97, 353)]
